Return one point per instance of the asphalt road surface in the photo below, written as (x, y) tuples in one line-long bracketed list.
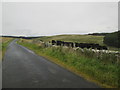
[(22, 68)]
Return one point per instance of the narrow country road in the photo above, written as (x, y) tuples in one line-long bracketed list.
[(22, 68)]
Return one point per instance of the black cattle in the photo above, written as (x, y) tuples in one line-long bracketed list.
[(62, 43), (99, 47), (59, 43), (72, 44), (87, 45), (84, 45), (80, 45), (76, 44), (104, 48), (95, 46), (53, 42), (66, 44), (91, 45)]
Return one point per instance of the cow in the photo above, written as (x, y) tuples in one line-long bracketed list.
[(53, 42), (59, 43), (76, 44), (104, 48), (66, 44), (81, 45)]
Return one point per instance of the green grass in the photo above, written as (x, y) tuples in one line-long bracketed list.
[(3, 46), (97, 70), (77, 38)]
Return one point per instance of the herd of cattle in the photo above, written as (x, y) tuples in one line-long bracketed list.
[(80, 45)]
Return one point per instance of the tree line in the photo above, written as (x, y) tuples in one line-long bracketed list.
[(112, 39)]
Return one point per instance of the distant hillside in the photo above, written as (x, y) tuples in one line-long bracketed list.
[(24, 37), (75, 38), (113, 39), (98, 34)]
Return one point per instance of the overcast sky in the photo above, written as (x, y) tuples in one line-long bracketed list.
[(38, 18)]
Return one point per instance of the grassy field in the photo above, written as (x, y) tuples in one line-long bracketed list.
[(103, 70), (77, 38), (4, 41)]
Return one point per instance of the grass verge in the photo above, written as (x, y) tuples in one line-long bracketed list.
[(3, 46)]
